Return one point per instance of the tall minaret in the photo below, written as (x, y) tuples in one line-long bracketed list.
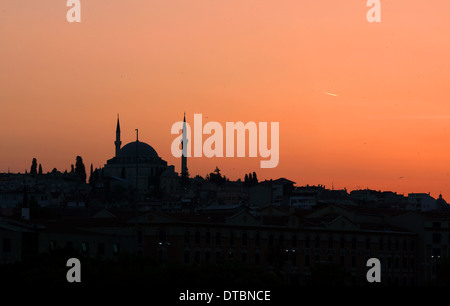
[(184, 141), (118, 143)]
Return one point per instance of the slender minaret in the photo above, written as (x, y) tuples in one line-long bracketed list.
[(184, 142), (118, 143)]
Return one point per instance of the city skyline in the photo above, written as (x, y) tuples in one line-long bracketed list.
[(178, 162), (360, 105)]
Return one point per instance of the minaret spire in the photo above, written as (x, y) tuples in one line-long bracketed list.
[(184, 141), (118, 143)]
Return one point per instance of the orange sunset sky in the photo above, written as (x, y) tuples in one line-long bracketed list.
[(387, 126)]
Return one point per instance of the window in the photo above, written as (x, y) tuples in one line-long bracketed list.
[(257, 259), (101, 249), (270, 240), (197, 237), (257, 239), (306, 260), (186, 237), (436, 252), (353, 243), (244, 238), (436, 238), (294, 259), (207, 238), (7, 245), (186, 257), (244, 257), (218, 238), (330, 242), (207, 256), (353, 261), (294, 241), (218, 257), (197, 257), (161, 257), (342, 243), (317, 242), (281, 239), (307, 241), (139, 236), (162, 236), (436, 225)]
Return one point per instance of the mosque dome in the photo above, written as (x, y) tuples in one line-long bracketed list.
[(135, 148)]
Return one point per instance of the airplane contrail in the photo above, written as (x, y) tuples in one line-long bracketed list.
[(330, 94)]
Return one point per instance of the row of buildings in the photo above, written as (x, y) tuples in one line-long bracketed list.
[(289, 243), (65, 189)]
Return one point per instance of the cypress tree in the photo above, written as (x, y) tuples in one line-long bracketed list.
[(80, 170), (33, 170)]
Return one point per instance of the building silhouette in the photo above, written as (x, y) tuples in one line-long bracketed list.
[(137, 165), (184, 142)]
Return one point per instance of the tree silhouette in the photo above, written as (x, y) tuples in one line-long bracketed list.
[(91, 174), (217, 171), (216, 177), (80, 170), (255, 179), (40, 169), (33, 170), (250, 179)]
